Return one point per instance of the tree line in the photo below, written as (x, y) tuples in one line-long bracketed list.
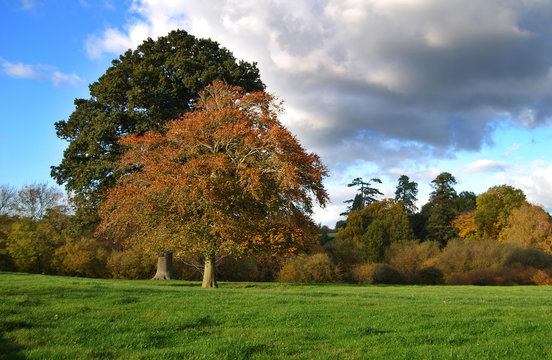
[(180, 151)]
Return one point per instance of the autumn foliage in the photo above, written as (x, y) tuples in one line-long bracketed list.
[(226, 177)]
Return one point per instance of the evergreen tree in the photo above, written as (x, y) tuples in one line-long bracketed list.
[(444, 209)]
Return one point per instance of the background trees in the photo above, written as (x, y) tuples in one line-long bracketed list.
[(366, 194), (140, 92), (443, 209), (529, 226), (226, 177), (494, 207), (405, 194)]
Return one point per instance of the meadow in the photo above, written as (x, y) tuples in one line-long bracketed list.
[(57, 317)]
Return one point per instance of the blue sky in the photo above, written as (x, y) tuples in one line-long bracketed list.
[(377, 88)]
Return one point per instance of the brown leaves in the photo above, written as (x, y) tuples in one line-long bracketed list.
[(227, 176)]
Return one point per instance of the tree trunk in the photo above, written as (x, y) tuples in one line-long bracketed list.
[(209, 280), (164, 267)]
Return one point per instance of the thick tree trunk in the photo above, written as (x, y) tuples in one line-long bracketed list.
[(164, 267), (209, 280)]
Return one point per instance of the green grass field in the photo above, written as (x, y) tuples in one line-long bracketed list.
[(75, 318)]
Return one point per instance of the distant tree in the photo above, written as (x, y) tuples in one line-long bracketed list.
[(32, 244), (140, 92), (34, 201), (465, 224), (376, 227), (529, 226), (7, 199), (467, 200), (406, 193), (443, 200), (365, 196), (494, 207), (227, 177)]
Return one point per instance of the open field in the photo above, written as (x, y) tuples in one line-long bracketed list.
[(61, 317)]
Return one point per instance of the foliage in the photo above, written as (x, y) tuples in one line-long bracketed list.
[(131, 264), (429, 276), (443, 209), (405, 194), (467, 201), (464, 256), (140, 92), (412, 256), (365, 195), (32, 244), (82, 257), (377, 273), (376, 227), (494, 207), (529, 257), (465, 224), (529, 226), (228, 177), (316, 268)]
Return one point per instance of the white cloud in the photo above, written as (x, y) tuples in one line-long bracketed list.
[(512, 149), (535, 180), (482, 166), (40, 72), (28, 4)]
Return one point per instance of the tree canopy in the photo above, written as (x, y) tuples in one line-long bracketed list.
[(140, 92), (443, 200), (406, 193), (494, 207), (225, 177), (365, 196)]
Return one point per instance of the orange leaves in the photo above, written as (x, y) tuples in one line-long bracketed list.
[(227, 176)]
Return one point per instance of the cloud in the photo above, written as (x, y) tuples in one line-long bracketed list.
[(28, 5), (535, 180), (40, 72), (512, 149), (482, 166), (384, 81)]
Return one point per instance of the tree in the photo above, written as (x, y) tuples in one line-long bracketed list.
[(494, 207), (467, 200), (376, 227), (406, 193), (365, 196), (226, 177), (7, 197), (443, 210), (34, 201), (529, 226), (465, 224), (140, 92)]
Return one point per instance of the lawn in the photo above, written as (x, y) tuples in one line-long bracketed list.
[(76, 318)]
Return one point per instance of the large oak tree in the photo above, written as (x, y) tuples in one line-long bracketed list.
[(227, 177), (140, 92)]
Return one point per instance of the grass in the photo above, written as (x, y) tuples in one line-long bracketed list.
[(75, 318)]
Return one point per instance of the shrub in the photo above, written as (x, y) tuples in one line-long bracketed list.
[(363, 273), (317, 268), (412, 256), (429, 276), (377, 274), (461, 256), (346, 255), (529, 257), (131, 264), (82, 257)]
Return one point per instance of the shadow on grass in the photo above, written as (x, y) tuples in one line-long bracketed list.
[(9, 350)]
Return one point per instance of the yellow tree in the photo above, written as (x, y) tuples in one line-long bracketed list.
[(529, 226), (227, 177), (465, 223)]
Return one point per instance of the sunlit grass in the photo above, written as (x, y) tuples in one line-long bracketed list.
[(61, 317)]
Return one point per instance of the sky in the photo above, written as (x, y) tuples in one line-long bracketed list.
[(377, 88)]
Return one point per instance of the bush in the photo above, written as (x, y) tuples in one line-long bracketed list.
[(461, 256), (363, 273), (429, 276), (131, 264), (411, 257), (377, 274), (529, 257), (83, 257), (317, 268)]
